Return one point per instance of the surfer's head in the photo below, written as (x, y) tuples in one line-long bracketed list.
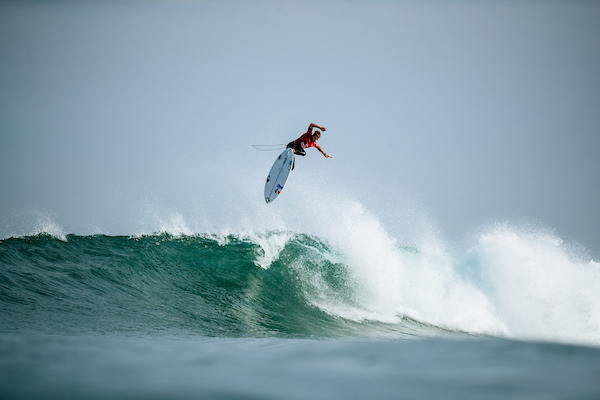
[(316, 135)]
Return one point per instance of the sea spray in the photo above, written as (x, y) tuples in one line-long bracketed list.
[(540, 290), (32, 223), (271, 246), (391, 281), (517, 282)]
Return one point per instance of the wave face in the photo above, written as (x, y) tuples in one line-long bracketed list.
[(289, 284), (203, 285)]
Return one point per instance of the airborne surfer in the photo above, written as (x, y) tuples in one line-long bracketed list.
[(286, 161), (308, 139)]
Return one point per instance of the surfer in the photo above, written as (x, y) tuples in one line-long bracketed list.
[(308, 139)]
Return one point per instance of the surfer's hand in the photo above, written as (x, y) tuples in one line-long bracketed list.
[(327, 156), (323, 129)]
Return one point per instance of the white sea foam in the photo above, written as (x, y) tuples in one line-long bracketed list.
[(517, 283), (160, 221), (50, 227), (271, 246), (539, 289), (390, 282), (35, 223)]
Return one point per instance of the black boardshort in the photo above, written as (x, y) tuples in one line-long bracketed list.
[(298, 150)]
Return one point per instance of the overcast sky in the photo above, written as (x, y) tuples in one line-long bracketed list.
[(475, 112)]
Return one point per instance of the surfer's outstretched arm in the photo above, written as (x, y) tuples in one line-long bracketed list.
[(321, 150), (311, 126)]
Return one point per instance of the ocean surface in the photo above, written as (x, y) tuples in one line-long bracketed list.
[(283, 314)]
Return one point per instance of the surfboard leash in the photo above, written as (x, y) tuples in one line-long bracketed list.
[(269, 147)]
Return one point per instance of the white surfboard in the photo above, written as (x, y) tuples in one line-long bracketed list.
[(278, 175)]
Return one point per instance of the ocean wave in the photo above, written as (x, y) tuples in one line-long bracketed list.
[(200, 284), (352, 283)]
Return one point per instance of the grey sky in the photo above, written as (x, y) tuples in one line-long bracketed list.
[(476, 112)]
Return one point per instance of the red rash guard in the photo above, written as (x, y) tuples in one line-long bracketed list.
[(305, 141)]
